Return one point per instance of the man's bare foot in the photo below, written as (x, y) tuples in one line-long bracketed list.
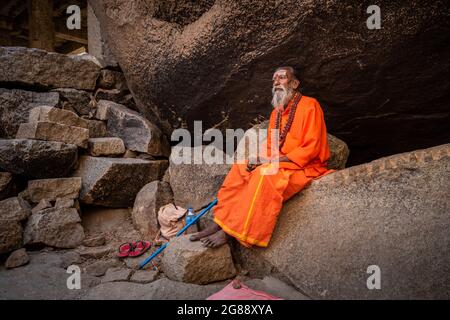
[(212, 228), (215, 240)]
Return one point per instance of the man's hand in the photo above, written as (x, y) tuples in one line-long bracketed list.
[(255, 162)]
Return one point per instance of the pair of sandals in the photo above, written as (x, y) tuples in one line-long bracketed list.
[(133, 249)]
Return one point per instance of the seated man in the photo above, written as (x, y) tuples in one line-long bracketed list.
[(250, 200)]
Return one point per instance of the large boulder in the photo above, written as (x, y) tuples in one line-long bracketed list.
[(35, 67), (61, 116), (36, 158), (195, 185), (138, 133), (192, 262), (114, 182), (56, 227), (146, 206), (213, 61), (15, 106), (392, 212)]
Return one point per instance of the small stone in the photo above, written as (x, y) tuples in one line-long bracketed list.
[(144, 276), (102, 111), (99, 268), (43, 204), (70, 258), (110, 146), (17, 258), (117, 274), (94, 241), (51, 131)]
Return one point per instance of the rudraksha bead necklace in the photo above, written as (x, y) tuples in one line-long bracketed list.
[(287, 127)]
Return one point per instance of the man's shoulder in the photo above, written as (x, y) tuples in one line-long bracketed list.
[(309, 103)]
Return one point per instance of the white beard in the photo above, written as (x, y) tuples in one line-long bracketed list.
[(280, 98)]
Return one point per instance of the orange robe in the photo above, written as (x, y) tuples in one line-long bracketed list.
[(249, 202)]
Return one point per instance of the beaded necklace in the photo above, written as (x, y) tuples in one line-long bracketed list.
[(284, 132)]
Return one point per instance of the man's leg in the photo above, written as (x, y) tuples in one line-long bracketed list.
[(212, 228)]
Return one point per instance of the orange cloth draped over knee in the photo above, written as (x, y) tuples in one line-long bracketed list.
[(249, 202)]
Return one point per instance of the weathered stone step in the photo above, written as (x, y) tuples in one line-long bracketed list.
[(51, 131), (108, 146), (37, 158), (114, 182)]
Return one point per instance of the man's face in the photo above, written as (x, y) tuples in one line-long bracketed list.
[(281, 88), (281, 79)]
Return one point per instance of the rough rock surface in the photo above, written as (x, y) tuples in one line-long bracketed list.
[(51, 131), (14, 208), (54, 227), (392, 212), (36, 158), (74, 100), (17, 258), (367, 80), (34, 67), (195, 185), (15, 106), (114, 182), (144, 276), (191, 262), (138, 133), (117, 274), (10, 235), (7, 185), (61, 116), (146, 206), (109, 146), (52, 189)]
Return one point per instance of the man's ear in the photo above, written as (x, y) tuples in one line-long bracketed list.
[(295, 84)]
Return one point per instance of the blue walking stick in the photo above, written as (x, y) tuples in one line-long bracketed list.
[(212, 204)]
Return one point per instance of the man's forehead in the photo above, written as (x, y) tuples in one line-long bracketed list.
[(281, 72)]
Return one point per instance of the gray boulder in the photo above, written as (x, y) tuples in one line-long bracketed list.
[(195, 185), (191, 262), (37, 67), (36, 158), (15, 105), (138, 133), (213, 61), (114, 182), (55, 227), (146, 206), (392, 212)]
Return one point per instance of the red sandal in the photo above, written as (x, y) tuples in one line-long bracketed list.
[(139, 248), (125, 249)]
